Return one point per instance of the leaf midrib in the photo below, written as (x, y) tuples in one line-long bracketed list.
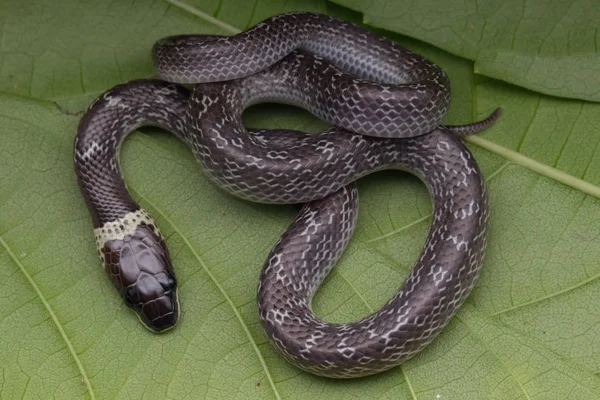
[(57, 323), (540, 168)]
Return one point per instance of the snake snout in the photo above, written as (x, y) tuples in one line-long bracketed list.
[(140, 267), (154, 299)]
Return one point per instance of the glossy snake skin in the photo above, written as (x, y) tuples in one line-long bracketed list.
[(407, 94), (344, 84)]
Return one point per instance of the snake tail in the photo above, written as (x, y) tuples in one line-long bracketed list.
[(475, 127), (128, 240)]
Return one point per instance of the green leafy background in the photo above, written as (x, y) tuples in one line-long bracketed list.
[(530, 329)]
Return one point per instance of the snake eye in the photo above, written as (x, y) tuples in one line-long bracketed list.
[(129, 294)]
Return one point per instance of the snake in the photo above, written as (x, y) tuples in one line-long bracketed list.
[(386, 105)]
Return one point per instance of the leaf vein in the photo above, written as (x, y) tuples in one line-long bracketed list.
[(548, 296), (57, 323), (564, 144), (536, 166), (223, 293), (202, 15)]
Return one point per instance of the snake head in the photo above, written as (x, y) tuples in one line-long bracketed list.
[(139, 266)]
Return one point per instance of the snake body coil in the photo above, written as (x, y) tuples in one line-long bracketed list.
[(365, 85), (371, 85)]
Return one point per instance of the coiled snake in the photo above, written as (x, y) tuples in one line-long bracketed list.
[(386, 104)]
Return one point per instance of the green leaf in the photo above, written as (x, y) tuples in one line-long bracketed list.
[(528, 331), (543, 45)]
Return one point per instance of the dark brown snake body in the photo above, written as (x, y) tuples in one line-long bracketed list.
[(365, 85)]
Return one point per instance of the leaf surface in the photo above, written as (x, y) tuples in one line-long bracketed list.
[(528, 331), (544, 45)]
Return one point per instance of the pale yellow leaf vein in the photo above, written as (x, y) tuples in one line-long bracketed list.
[(220, 288), (202, 15), (57, 323), (536, 166), (548, 296)]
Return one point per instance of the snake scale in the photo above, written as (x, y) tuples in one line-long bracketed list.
[(386, 105)]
